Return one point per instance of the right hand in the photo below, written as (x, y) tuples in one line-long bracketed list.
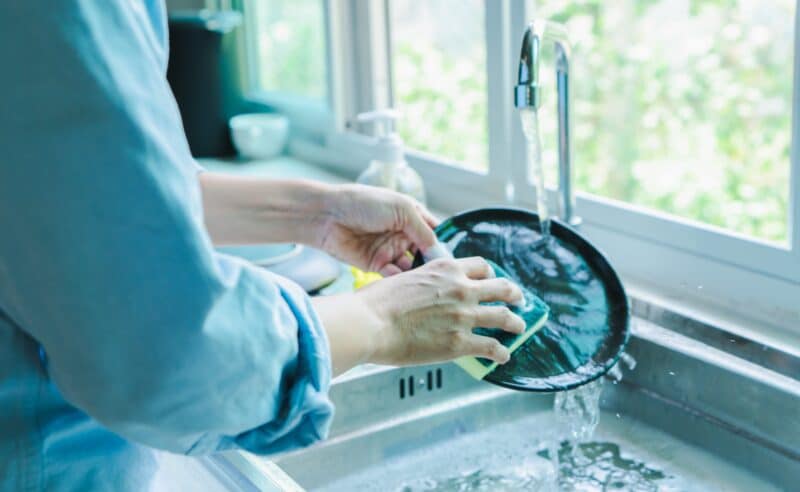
[(427, 314)]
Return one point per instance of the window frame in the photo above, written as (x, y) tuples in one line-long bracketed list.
[(677, 258)]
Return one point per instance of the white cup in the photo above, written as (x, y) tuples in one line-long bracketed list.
[(259, 135)]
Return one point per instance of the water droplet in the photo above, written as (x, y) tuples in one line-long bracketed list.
[(510, 191), (628, 360), (615, 374), (699, 287), (733, 341), (671, 373), (618, 416)]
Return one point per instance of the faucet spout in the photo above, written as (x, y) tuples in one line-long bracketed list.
[(527, 94)]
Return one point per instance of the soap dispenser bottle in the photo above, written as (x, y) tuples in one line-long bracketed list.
[(390, 169)]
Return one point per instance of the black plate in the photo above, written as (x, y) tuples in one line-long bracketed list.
[(588, 326)]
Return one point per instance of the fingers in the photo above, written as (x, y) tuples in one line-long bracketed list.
[(390, 255), (475, 268), (400, 264), (418, 227), (501, 290), (498, 317), (486, 347), (383, 252), (404, 261), (390, 269), (427, 216)]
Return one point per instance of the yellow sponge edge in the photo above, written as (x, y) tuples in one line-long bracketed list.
[(479, 371), (362, 278)]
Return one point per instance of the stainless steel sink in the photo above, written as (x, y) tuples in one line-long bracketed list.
[(696, 416)]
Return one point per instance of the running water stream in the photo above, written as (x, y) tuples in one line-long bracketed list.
[(575, 459), (577, 411), (530, 127)]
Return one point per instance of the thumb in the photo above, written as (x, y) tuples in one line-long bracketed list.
[(417, 228)]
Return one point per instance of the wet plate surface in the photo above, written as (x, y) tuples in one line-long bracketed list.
[(589, 315)]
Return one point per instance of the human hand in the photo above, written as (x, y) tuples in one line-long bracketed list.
[(421, 316), (428, 314), (374, 228)]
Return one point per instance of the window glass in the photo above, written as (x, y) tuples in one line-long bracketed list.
[(439, 78), (681, 105), (289, 46)]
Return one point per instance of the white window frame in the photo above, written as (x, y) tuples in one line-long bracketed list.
[(656, 253)]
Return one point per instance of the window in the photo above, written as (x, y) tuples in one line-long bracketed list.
[(682, 106), (288, 51), (684, 147), (287, 66), (438, 65)]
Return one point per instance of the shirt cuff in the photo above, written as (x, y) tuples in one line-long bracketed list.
[(306, 411)]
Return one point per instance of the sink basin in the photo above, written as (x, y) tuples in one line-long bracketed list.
[(689, 417)]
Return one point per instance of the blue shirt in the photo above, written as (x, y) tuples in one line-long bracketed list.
[(121, 330)]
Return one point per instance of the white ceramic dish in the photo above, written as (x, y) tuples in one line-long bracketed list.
[(264, 255), (259, 135)]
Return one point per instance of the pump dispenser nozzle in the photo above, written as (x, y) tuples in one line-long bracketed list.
[(382, 118), (389, 145)]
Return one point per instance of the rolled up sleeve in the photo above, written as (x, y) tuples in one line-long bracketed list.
[(105, 261)]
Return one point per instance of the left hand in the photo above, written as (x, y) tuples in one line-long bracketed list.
[(374, 229)]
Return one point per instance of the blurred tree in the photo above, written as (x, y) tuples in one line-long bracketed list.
[(290, 46), (682, 106)]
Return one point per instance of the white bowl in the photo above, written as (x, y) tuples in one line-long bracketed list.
[(259, 135), (264, 254)]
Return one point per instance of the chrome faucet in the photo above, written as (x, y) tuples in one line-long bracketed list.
[(527, 94)]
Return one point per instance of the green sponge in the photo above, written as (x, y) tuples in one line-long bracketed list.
[(534, 312)]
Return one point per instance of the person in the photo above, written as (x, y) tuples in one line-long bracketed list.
[(122, 331)]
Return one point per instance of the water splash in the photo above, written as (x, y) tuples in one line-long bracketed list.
[(628, 360), (578, 411), (576, 461), (615, 374), (601, 466), (530, 127)]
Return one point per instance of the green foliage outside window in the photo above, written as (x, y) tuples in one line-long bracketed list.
[(439, 78), (681, 106), (290, 46)]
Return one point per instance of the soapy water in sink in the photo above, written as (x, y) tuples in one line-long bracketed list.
[(575, 462), (601, 466), (553, 452), (514, 456), (598, 466)]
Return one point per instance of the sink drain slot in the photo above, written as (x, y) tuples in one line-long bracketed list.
[(407, 385)]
